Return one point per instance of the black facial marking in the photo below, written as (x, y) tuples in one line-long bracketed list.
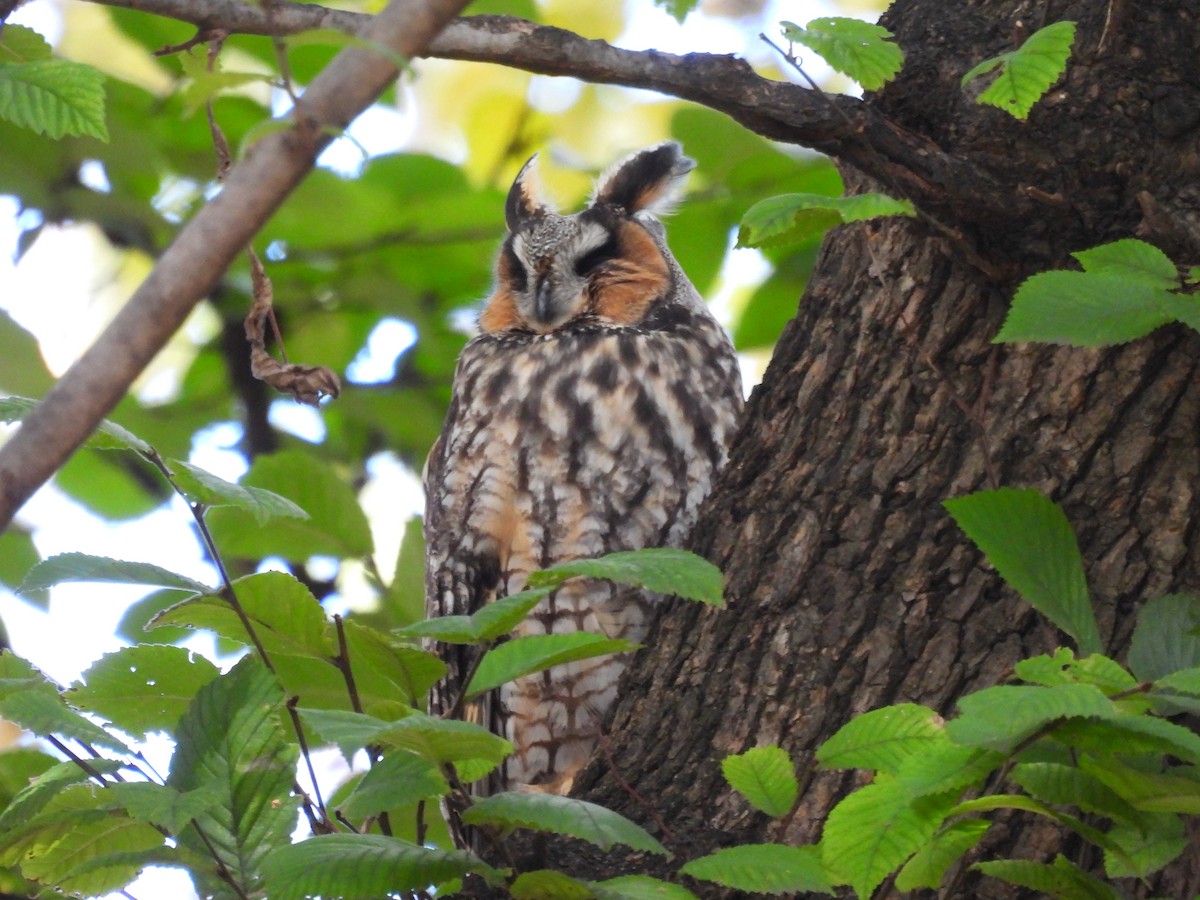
[(516, 272), (593, 259)]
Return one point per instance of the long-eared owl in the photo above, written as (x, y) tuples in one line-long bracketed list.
[(588, 416)]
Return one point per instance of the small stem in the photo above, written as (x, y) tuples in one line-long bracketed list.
[(78, 760), (325, 823), (791, 58)]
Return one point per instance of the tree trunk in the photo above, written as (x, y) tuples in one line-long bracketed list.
[(849, 586)]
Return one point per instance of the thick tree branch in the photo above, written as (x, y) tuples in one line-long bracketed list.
[(945, 186), (204, 248)]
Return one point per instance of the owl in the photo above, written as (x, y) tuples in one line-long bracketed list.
[(589, 415)]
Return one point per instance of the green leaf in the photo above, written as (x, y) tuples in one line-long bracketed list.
[(1061, 880), (144, 688), (54, 97), (231, 743), (1133, 734), (400, 778), (639, 887), (1027, 73), (537, 652), (350, 731), (444, 740), (336, 524), (363, 867), (944, 766), (67, 567), (765, 777), (763, 869), (207, 489), (928, 865), (547, 884), (1085, 309), (998, 718), (1065, 785), (791, 218), (31, 800), (46, 713), (665, 570), (1165, 639), (1030, 542), (163, 806), (1132, 258), (284, 614), (19, 44), (857, 49), (107, 436), (562, 815), (990, 802), (871, 832), (1046, 670), (1149, 844), (489, 623), (882, 739), (678, 9), (18, 555), (383, 669), (1147, 791)]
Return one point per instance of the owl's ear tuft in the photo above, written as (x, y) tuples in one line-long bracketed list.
[(523, 202), (648, 180)]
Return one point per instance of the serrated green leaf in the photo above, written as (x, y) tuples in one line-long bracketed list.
[(207, 489), (284, 614), (350, 731), (547, 884), (363, 867), (163, 806), (1132, 258), (444, 740), (662, 569), (857, 49), (943, 766), (1185, 681), (107, 436), (791, 218), (998, 718), (1061, 880), (1149, 844), (19, 44), (1085, 309), (1029, 541), (562, 815), (1069, 786), (231, 743), (765, 777), (1046, 670), (44, 713), (336, 524), (928, 865), (536, 652), (489, 623), (90, 856), (32, 799), (1164, 640), (763, 869), (882, 739), (639, 887), (67, 567), (399, 779), (871, 832), (1025, 74), (54, 97), (204, 85), (1133, 734), (144, 688), (1147, 791)]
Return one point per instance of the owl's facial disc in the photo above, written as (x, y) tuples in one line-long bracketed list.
[(558, 259)]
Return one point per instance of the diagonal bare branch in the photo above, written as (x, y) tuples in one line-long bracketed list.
[(943, 185), (203, 250)]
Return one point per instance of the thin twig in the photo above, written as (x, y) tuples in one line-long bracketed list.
[(325, 823), (285, 67), (632, 792), (90, 770), (795, 64)]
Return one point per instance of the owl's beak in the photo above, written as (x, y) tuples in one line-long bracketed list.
[(543, 302)]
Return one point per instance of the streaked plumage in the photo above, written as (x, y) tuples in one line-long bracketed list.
[(589, 416)]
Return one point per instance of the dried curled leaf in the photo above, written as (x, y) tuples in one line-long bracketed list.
[(307, 384)]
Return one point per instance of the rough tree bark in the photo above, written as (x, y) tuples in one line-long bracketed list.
[(849, 585)]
